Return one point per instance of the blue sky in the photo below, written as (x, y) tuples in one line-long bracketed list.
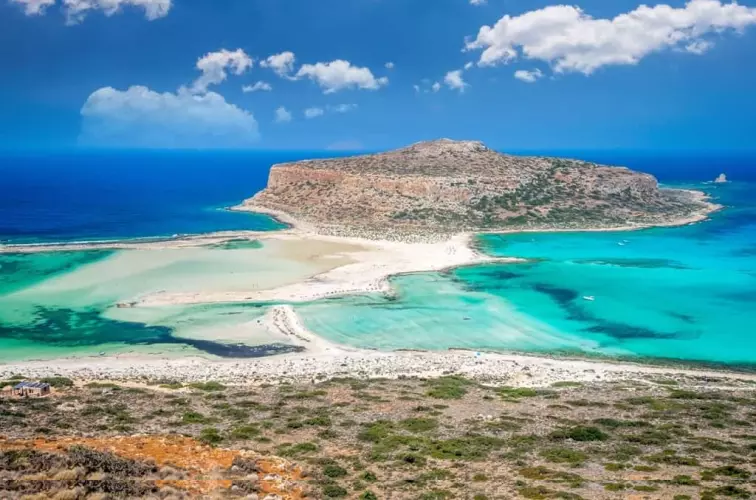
[(597, 74)]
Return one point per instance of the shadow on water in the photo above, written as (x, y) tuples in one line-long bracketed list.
[(635, 263), (72, 328), (566, 297)]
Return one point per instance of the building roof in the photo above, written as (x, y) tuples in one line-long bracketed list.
[(31, 385)]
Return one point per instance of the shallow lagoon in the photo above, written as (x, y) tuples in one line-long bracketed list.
[(685, 293), (680, 293)]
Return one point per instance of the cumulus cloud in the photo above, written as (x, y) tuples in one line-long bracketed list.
[(140, 117), (282, 64), (339, 74), (698, 47), (313, 112), (528, 76), (76, 10), (468, 65), (389, 65), (257, 87), (214, 65), (478, 2), (573, 41), (454, 81), (436, 86), (282, 115), (342, 108), (34, 7), (153, 9)]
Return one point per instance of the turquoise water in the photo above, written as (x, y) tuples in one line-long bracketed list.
[(685, 293)]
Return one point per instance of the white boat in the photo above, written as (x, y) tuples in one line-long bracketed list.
[(589, 297), (621, 243)]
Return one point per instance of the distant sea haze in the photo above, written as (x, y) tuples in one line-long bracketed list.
[(668, 293)]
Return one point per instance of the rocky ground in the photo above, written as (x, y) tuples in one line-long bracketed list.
[(445, 187), (441, 438)]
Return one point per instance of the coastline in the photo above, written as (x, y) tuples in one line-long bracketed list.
[(324, 360), (371, 263)]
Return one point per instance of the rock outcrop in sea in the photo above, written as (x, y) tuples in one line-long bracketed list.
[(447, 186), (721, 179)]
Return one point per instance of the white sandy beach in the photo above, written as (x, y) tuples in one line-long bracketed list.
[(373, 262), (324, 360), (349, 265)]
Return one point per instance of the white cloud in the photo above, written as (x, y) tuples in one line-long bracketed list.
[(258, 86), (34, 7), (214, 65), (342, 108), (416, 87), (313, 112), (339, 74), (528, 76), (140, 117), (282, 63), (454, 80), (389, 65), (478, 2), (571, 40), (436, 87), (698, 47), (282, 115), (76, 10), (468, 65)]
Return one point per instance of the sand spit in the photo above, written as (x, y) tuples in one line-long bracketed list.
[(324, 360), (372, 263)]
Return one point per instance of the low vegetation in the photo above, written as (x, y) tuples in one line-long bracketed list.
[(444, 438)]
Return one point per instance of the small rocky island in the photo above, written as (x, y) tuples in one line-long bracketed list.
[(447, 186)]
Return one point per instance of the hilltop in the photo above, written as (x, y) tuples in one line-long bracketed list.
[(447, 186)]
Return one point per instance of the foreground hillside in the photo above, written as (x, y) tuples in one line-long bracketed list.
[(446, 438), (453, 186)]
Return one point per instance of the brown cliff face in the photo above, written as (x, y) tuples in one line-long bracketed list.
[(450, 186)]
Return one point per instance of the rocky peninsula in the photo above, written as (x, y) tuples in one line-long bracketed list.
[(448, 187)]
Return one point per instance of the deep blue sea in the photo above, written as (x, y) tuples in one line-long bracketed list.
[(49, 197), (685, 293)]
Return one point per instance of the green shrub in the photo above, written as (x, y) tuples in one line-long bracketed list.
[(193, 417), (289, 450), (208, 386), (516, 392), (333, 470), (58, 382), (210, 435), (419, 424), (368, 495), (245, 432), (580, 433), (564, 456), (333, 490), (453, 387)]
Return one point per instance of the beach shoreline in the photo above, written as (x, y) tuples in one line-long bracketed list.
[(370, 266)]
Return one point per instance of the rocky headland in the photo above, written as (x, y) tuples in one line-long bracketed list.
[(447, 187)]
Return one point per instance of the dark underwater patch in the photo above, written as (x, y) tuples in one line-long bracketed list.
[(635, 263), (20, 270), (560, 295), (685, 318), (749, 251), (566, 297), (71, 328), (623, 331)]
